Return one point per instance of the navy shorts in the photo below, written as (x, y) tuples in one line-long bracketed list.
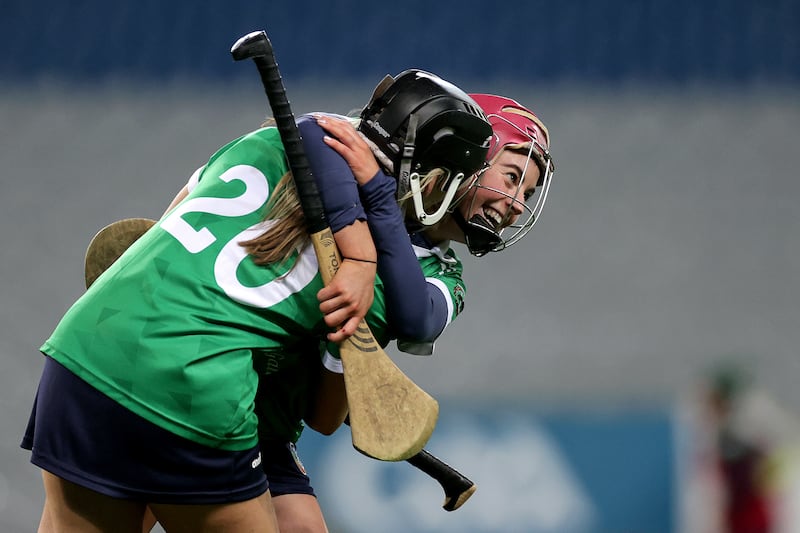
[(285, 471), (81, 435)]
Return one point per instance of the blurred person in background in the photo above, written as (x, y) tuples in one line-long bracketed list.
[(743, 457), (746, 458)]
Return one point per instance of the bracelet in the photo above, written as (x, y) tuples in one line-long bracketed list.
[(359, 260)]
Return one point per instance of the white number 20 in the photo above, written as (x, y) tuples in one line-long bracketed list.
[(196, 240)]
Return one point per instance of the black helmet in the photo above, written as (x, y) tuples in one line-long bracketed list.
[(420, 122)]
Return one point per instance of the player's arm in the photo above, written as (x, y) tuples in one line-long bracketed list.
[(346, 300), (416, 310)]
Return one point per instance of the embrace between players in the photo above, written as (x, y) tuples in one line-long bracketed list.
[(176, 387)]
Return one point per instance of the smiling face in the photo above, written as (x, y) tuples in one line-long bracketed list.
[(504, 202), (502, 190)]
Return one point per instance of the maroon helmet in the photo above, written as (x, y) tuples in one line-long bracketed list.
[(518, 128)]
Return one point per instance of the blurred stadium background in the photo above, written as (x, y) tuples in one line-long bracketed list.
[(571, 387)]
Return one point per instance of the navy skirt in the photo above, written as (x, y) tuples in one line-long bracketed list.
[(79, 434)]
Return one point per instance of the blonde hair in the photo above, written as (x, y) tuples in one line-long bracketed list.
[(287, 232), (287, 229)]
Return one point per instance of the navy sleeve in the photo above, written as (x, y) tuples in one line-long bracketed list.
[(337, 186), (415, 309)]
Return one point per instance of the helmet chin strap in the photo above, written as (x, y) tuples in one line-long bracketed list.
[(429, 219), (481, 238), (404, 172)]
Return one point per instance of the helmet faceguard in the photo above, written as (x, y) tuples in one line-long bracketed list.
[(519, 129), (421, 122)]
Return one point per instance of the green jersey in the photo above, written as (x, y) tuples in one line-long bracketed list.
[(175, 329)]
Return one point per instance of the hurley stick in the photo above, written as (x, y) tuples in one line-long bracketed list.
[(391, 417), (109, 243), (457, 488)]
